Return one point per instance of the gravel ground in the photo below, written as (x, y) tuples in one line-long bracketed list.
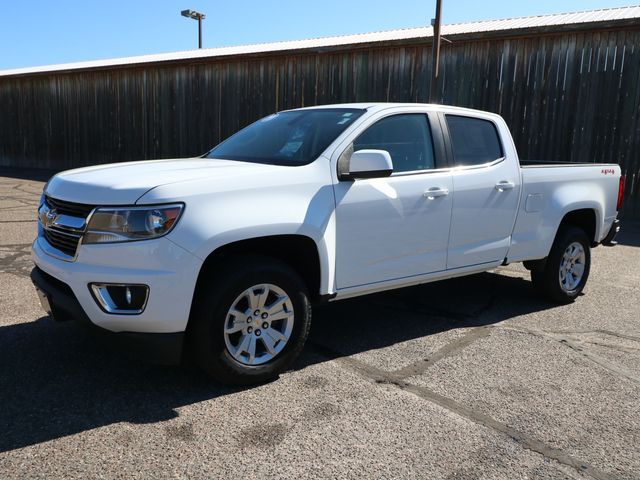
[(470, 378)]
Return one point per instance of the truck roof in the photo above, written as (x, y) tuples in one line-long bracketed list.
[(376, 106)]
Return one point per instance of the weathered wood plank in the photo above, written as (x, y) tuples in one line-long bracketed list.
[(568, 96)]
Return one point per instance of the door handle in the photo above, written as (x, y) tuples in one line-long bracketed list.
[(505, 185), (436, 192)]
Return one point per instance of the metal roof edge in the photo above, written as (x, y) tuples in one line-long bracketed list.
[(521, 25)]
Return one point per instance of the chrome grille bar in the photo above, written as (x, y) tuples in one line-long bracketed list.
[(62, 226)]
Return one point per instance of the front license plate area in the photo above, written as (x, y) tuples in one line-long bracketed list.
[(45, 302)]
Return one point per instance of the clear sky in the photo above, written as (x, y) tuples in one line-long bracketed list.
[(41, 32)]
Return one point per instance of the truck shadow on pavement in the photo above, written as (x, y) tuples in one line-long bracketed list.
[(630, 233), (58, 380)]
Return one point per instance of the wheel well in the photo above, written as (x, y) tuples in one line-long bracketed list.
[(298, 251), (585, 219)]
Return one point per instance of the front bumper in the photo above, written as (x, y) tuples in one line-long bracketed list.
[(59, 299), (170, 272)]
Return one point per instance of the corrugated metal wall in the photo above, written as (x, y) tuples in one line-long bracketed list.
[(567, 97)]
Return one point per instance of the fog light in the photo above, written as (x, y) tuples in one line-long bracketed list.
[(118, 298)]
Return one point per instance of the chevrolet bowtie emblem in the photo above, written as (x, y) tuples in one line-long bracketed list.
[(48, 218)]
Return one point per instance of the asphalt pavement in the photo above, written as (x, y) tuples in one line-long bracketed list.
[(474, 377)]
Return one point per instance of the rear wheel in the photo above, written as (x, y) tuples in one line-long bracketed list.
[(251, 318), (566, 269)]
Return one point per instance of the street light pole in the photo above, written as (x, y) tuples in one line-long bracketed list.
[(196, 16), (435, 68)]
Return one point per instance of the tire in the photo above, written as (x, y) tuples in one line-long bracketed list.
[(560, 279), (226, 286)]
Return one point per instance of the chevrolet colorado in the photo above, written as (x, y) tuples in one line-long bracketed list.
[(222, 256)]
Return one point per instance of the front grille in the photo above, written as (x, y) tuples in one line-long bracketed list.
[(63, 224), (69, 208), (64, 241)]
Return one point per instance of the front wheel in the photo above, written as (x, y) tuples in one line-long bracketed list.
[(566, 269), (251, 318)]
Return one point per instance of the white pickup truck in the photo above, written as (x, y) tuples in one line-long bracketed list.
[(221, 257)]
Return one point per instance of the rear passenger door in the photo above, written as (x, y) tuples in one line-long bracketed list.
[(486, 184)]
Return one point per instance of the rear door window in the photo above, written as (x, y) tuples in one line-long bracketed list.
[(474, 141)]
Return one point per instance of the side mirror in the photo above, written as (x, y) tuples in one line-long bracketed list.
[(370, 164)]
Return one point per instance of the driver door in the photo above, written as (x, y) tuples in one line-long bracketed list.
[(398, 226)]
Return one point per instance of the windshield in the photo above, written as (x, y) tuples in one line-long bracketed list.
[(295, 137)]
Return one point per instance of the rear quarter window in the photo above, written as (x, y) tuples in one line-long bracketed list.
[(474, 141)]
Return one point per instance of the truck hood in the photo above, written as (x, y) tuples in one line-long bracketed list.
[(125, 183)]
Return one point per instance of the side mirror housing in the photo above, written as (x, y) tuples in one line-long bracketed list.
[(369, 164)]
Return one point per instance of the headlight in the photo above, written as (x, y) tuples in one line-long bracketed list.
[(118, 224)]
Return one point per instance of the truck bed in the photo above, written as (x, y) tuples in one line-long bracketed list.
[(549, 191)]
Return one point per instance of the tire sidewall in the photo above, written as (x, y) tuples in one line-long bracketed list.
[(567, 237), (214, 304)]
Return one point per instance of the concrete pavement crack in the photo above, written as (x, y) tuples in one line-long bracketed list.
[(614, 334), (27, 202), (23, 187), (448, 350), (576, 346), (31, 206), (527, 442), (617, 348), (12, 246), (16, 259), (600, 331), (603, 362)]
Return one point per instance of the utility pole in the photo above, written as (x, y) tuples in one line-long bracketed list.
[(435, 68), (196, 16)]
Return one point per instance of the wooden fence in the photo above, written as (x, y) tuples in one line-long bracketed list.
[(567, 96)]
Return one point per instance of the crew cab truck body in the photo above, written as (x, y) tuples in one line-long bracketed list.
[(222, 256)]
